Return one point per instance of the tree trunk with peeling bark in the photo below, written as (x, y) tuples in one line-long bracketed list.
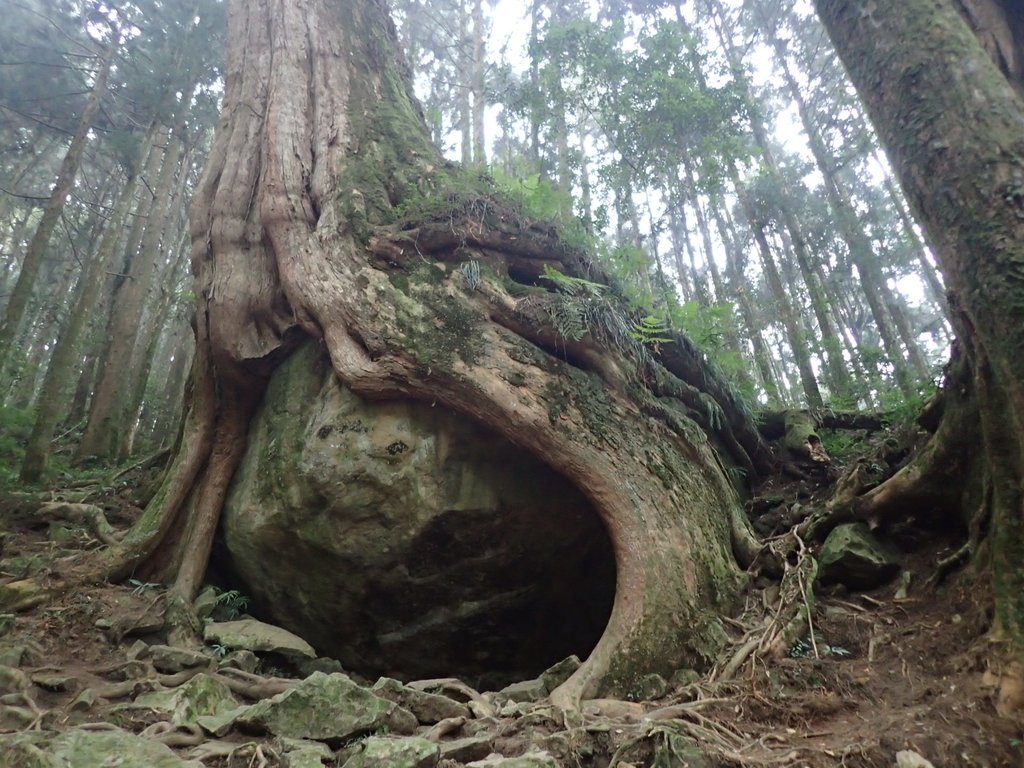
[(954, 129), (296, 233)]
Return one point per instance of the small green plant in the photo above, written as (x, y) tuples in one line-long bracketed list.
[(841, 445), (470, 271), (220, 651), (232, 602), (651, 331), (573, 286), (803, 649), (15, 428)]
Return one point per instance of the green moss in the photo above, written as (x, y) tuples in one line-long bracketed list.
[(557, 399), (516, 379), (529, 354), (437, 327)]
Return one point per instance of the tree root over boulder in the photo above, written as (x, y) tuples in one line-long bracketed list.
[(297, 234)]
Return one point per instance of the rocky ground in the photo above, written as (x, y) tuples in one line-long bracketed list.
[(894, 675)]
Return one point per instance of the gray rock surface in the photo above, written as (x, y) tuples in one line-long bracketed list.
[(382, 752), (253, 635), (202, 696), (854, 557), (558, 673), (429, 708), (467, 749), (529, 760), (88, 749), (169, 659), (525, 690), (406, 541), (328, 708)]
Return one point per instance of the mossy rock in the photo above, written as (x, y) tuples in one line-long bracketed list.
[(854, 557)]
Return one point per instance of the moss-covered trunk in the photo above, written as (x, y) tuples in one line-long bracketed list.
[(954, 130)]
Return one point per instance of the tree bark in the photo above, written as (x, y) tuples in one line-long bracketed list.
[(954, 129)]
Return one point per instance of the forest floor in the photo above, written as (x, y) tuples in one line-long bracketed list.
[(884, 675)]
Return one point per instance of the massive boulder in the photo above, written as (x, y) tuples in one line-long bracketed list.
[(404, 540)]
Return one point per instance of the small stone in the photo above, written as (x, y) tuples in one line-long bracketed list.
[(6, 623), (684, 677), (84, 701), (78, 748), (219, 724), (131, 670), (202, 696), (614, 709), (854, 557), (13, 680), (903, 590), (243, 660), (303, 753), (429, 708), (169, 659), (910, 759), (529, 760), (556, 675), (103, 623), (525, 691), (137, 650), (204, 604), (320, 664), (380, 752), (13, 656), (510, 709), (680, 752), (56, 683), (480, 709), (650, 687), (328, 708), (253, 635), (466, 750)]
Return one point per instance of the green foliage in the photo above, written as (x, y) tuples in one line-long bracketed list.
[(706, 326), (842, 445), (15, 428), (538, 198), (803, 648), (650, 331), (901, 409), (232, 602), (573, 286)]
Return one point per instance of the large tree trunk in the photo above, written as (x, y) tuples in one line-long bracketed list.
[(954, 129), (293, 238)]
